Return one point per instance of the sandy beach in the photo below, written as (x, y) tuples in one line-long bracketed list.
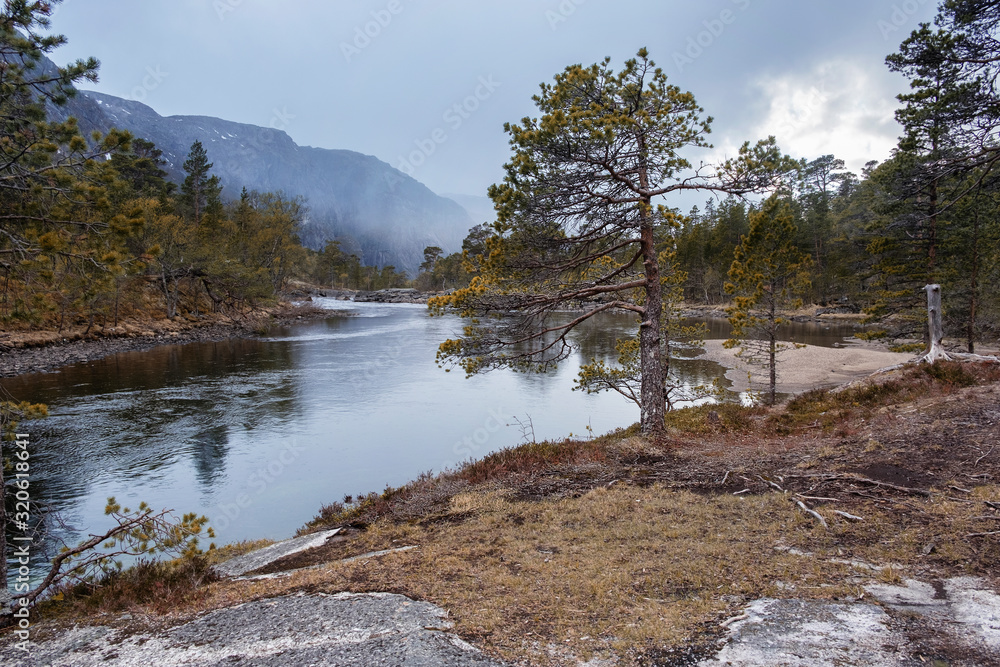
[(807, 367)]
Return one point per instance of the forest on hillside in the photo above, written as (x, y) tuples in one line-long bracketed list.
[(92, 231)]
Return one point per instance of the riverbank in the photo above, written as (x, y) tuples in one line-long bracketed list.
[(44, 351), (623, 551)]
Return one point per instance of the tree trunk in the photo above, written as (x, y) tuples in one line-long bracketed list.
[(936, 350), (167, 300), (974, 287), (651, 360), (772, 343)]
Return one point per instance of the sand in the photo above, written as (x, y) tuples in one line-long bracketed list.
[(807, 367)]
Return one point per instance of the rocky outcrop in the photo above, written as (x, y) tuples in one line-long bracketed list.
[(394, 295), (341, 630)]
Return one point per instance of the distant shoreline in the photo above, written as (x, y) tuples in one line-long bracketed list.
[(23, 353)]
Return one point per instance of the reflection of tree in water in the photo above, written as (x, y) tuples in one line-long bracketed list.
[(595, 338), (138, 413), (209, 449), (52, 524)]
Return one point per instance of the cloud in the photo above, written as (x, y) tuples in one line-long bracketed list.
[(837, 107)]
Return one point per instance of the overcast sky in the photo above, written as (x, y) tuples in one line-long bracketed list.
[(384, 77)]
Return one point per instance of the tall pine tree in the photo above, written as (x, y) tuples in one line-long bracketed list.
[(766, 272), (200, 191)]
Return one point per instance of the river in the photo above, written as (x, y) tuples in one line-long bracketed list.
[(259, 434)]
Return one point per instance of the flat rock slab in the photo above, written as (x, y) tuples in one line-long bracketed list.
[(254, 560), (343, 630), (963, 604), (811, 633)]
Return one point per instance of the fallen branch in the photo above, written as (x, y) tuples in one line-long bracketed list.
[(729, 621), (818, 499), (965, 356), (995, 532), (813, 513), (770, 483), (984, 456), (960, 489), (865, 495), (849, 517), (865, 480)]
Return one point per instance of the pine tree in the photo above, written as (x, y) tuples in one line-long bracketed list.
[(577, 214), (41, 159), (819, 176), (767, 270), (200, 192), (432, 254)]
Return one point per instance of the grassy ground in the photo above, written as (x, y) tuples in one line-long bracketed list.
[(618, 546)]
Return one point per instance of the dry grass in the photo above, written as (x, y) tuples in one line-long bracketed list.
[(610, 571), (629, 571)]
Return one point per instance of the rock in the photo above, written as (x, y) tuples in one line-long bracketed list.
[(960, 616), (394, 295), (341, 630), (806, 633), (964, 604), (261, 557)]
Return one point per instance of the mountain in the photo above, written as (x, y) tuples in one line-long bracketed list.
[(479, 207), (378, 213)]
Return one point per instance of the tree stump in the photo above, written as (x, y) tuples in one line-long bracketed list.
[(936, 352)]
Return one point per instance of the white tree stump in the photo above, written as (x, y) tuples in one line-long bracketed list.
[(936, 352)]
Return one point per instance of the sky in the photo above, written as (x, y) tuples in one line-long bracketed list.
[(427, 86)]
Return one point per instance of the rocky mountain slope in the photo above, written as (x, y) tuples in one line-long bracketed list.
[(376, 211)]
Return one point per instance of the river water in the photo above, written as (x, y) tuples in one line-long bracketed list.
[(259, 434)]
